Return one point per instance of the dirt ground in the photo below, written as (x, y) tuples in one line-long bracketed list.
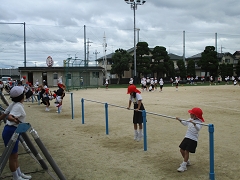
[(85, 152)]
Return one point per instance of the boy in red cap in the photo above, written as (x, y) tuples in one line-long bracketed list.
[(189, 143), (136, 99)]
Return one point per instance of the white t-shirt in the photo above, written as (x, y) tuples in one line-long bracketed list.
[(135, 100), (192, 132), (17, 110)]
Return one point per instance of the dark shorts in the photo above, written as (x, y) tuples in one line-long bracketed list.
[(7, 134), (189, 145), (137, 115)]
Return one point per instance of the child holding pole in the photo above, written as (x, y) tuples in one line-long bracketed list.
[(136, 99), (189, 143)]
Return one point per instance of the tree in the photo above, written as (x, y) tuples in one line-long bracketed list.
[(160, 60), (143, 60), (209, 61), (182, 68), (121, 60), (171, 69), (191, 68), (237, 68)]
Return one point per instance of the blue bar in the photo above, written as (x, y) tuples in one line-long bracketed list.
[(144, 130), (32, 98), (211, 150), (106, 115), (72, 105), (82, 100)]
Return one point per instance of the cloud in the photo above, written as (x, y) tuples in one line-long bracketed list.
[(56, 28)]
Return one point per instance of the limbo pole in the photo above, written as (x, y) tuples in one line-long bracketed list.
[(82, 101), (106, 116)]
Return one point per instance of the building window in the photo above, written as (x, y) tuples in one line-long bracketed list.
[(95, 74), (55, 76), (227, 60)]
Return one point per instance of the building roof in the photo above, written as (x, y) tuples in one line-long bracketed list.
[(174, 56)]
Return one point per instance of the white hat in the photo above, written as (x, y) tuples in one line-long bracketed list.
[(16, 91)]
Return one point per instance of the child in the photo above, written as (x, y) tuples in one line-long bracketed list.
[(106, 83), (16, 115), (60, 93), (136, 99), (161, 84), (189, 143)]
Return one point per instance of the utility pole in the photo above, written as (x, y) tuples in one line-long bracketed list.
[(104, 57), (88, 42), (96, 53)]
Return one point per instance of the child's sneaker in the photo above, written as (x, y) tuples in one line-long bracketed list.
[(139, 138), (182, 168), (26, 176), (188, 163), (135, 136)]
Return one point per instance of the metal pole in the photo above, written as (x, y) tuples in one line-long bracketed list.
[(25, 59), (211, 150), (106, 116), (184, 47), (135, 56), (47, 154), (82, 100), (144, 130), (72, 105), (85, 53)]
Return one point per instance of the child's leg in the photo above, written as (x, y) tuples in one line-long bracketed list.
[(135, 131)]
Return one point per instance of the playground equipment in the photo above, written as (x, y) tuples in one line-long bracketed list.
[(29, 147), (144, 113)]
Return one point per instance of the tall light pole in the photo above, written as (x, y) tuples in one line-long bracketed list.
[(134, 4)]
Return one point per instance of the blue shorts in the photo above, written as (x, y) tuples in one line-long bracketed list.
[(7, 135)]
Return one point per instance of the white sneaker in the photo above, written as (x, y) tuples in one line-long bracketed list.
[(188, 163), (47, 109), (20, 178), (182, 168), (26, 176), (139, 138), (135, 136)]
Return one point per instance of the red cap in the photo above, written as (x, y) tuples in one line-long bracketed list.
[(132, 88), (197, 112)]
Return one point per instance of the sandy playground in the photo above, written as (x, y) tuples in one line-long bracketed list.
[(85, 152)]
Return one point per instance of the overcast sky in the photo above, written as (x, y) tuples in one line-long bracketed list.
[(56, 28)]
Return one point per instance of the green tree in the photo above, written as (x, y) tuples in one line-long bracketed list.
[(237, 68), (223, 70), (182, 68), (160, 60), (209, 61), (191, 68), (143, 60), (171, 69), (121, 60)]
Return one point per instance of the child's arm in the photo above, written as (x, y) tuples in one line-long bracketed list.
[(129, 104), (182, 122), (13, 119), (197, 126), (139, 104)]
